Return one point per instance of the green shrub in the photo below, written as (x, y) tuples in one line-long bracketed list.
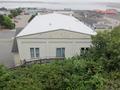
[(63, 75), (106, 48)]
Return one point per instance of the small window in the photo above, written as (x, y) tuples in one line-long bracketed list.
[(82, 51), (34, 52), (60, 52)]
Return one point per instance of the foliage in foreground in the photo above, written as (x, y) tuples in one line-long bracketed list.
[(106, 49), (62, 75), (71, 74)]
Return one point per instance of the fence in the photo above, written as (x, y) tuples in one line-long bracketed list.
[(38, 61)]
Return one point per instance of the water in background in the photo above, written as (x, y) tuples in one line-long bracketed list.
[(76, 6)]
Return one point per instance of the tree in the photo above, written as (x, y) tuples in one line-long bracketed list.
[(106, 48), (6, 22), (15, 12), (1, 20)]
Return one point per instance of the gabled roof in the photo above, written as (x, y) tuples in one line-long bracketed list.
[(53, 21)]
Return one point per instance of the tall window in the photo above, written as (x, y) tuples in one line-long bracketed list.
[(34, 52), (60, 52), (37, 52), (82, 51)]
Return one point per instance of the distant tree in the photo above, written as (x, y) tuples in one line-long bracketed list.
[(15, 12), (6, 22), (1, 20)]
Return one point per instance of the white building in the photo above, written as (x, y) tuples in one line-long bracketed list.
[(50, 36)]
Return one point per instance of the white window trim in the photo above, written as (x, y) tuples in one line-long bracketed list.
[(34, 49)]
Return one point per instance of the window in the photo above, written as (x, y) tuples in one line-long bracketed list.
[(63, 52), (60, 52), (34, 52), (84, 51), (37, 52)]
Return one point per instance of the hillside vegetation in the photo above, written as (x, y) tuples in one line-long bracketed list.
[(6, 22), (97, 69)]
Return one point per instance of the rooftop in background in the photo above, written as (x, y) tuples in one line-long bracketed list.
[(49, 22), (70, 13)]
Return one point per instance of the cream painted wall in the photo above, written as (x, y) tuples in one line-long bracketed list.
[(49, 41), (17, 59), (58, 34)]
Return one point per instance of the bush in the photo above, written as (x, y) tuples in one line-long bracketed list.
[(15, 12), (6, 22), (62, 75)]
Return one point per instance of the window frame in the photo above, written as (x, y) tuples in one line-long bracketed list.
[(61, 52), (32, 53), (84, 50), (35, 54)]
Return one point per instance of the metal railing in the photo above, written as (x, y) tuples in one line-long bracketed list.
[(41, 61), (38, 61)]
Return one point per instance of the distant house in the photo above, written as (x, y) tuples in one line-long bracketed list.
[(4, 11), (108, 11), (50, 36), (70, 13), (102, 27)]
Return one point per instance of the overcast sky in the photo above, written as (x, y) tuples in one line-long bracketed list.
[(82, 0), (69, 0)]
